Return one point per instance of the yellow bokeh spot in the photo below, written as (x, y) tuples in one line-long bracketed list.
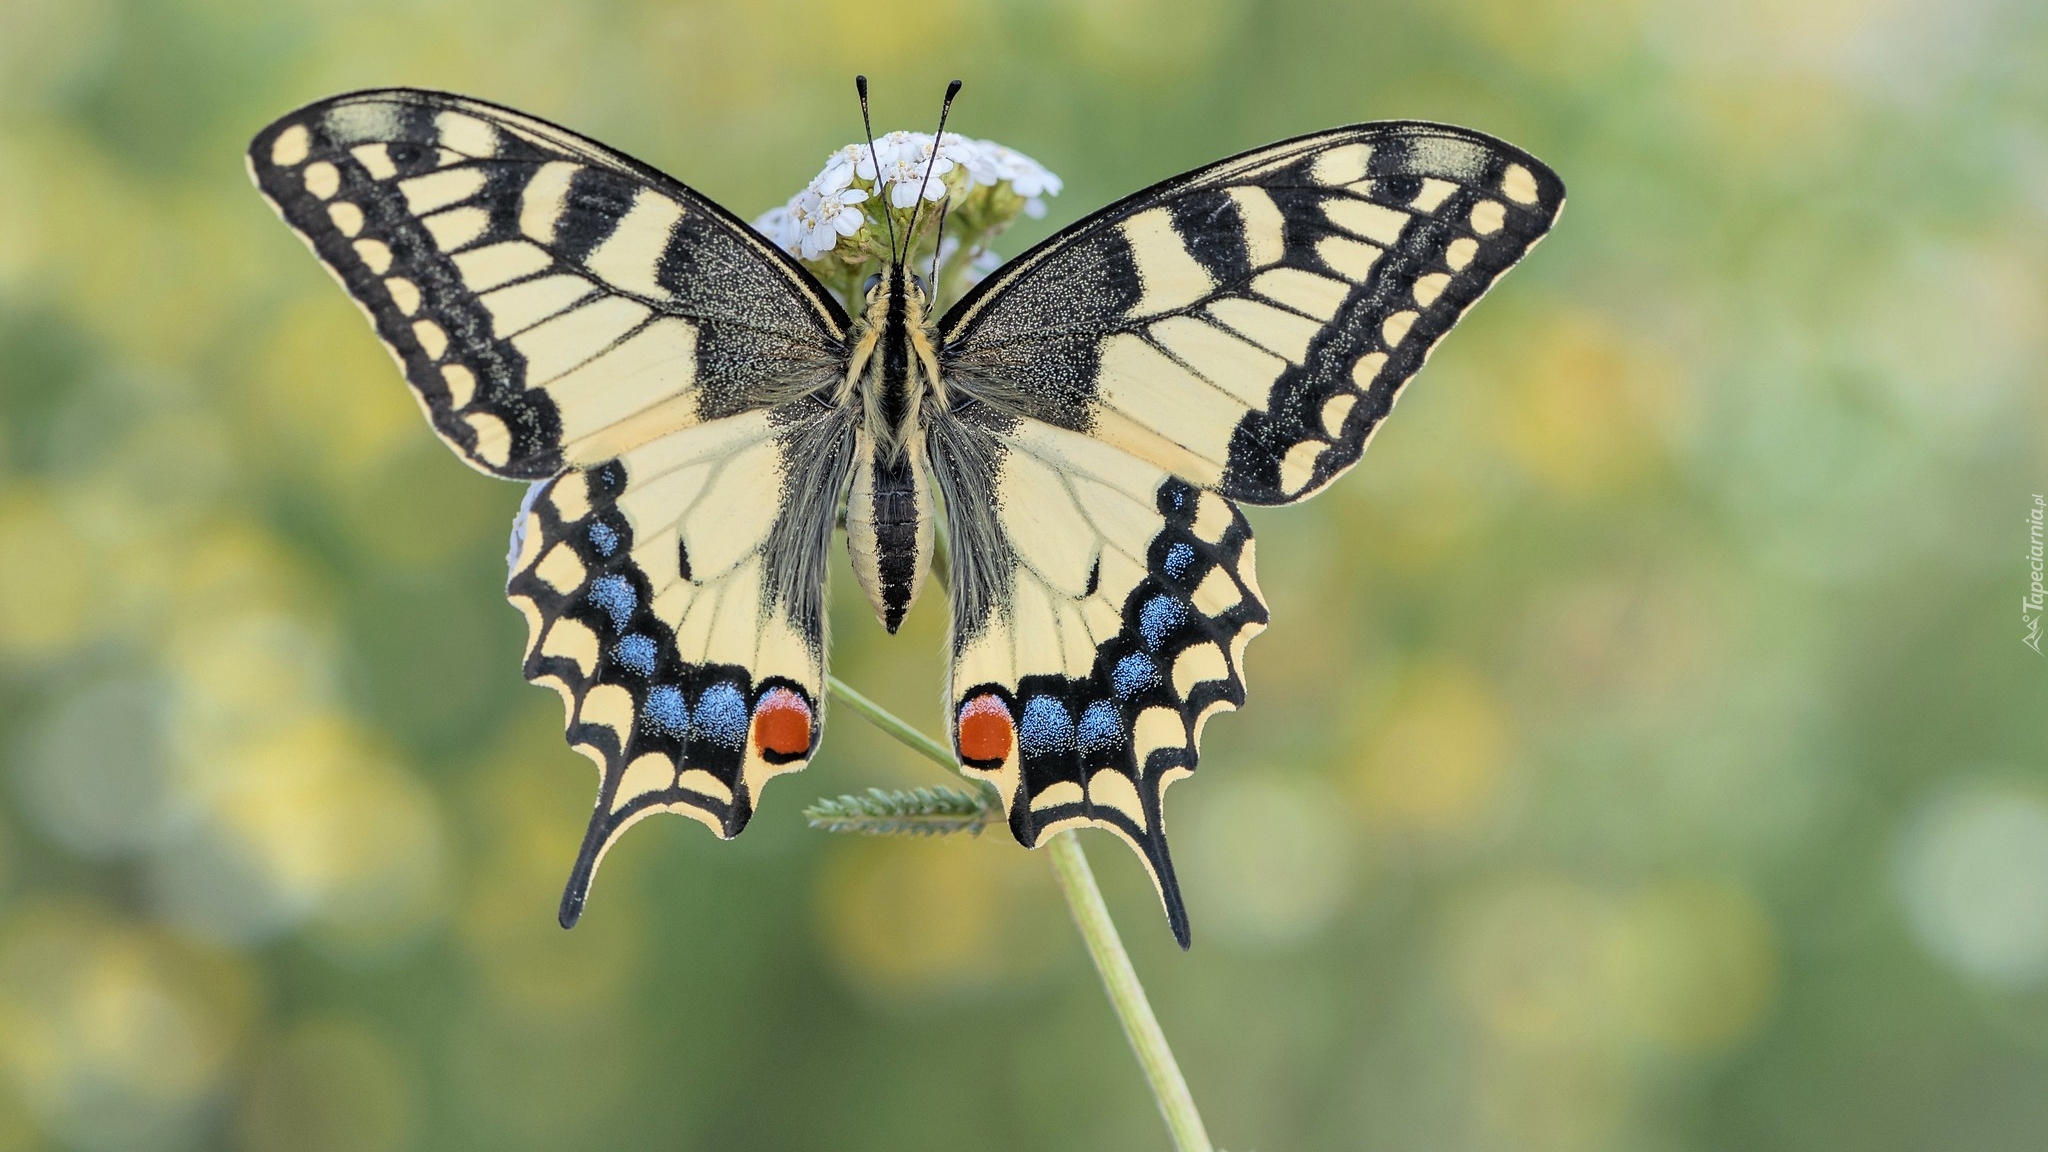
[(1686, 966), (905, 917), (239, 679), (99, 1014), (1699, 965), (244, 661), (327, 1086), (48, 571), (21, 212), (146, 265), (1765, 122), (1536, 961), (234, 566), (885, 33), (1437, 761), (1562, 39), (1582, 407), (1771, 85), (328, 395), (1811, 32), (1157, 37), (337, 829)]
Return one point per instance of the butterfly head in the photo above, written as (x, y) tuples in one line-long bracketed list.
[(886, 291)]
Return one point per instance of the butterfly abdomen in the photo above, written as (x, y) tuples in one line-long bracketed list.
[(889, 520)]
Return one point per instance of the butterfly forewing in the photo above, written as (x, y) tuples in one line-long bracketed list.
[(552, 302), (1236, 333), (1247, 325)]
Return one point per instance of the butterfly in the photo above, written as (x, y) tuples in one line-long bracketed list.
[(694, 412)]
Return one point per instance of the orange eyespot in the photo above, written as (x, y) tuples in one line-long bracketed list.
[(782, 724), (985, 729)]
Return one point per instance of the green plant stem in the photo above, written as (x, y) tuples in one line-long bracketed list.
[(1098, 932), (1126, 995)]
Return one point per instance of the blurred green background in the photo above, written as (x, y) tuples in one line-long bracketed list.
[(1643, 755)]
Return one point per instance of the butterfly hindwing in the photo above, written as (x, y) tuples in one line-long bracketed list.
[(1247, 325), (1101, 608), (674, 599), (552, 302)]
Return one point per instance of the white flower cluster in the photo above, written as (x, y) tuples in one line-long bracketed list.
[(989, 163), (901, 167), (811, 224)]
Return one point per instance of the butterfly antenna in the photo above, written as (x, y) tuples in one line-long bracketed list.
[(952, 90), (860, 85), (938, 242)]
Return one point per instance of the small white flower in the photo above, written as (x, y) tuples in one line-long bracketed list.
[(820, 218), (864, 156), (976, 156), (844, 165), (1027, 177), (905, 159), (815, 219)]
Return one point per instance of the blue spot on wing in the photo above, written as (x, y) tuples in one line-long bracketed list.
[(603, 538), (1046, 728), (721, 717), (663, 712), (1159, 617), (636, 652), (615, 596), (1102, 728), (1179, 559), (1133, 674)]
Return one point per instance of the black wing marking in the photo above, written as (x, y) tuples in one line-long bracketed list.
[(1247, 325), (552, 302)]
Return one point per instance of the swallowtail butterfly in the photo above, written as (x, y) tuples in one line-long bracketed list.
[(693, 412)]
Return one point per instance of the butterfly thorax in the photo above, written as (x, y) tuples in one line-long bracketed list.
[(891, 375)]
